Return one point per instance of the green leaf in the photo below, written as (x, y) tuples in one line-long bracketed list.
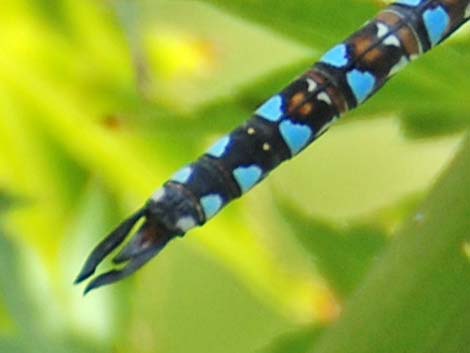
[(185, 294), (342, 256), (30, 336), (416, 299), (13, 291), (315, 23), (7, 200), (300, 341)]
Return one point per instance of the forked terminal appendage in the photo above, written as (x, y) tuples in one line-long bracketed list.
[(143, 246)]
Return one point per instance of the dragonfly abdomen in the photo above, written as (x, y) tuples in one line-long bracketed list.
[(345, 77)]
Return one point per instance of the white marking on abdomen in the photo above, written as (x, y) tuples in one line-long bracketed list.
[(392, 40), (158, 195), (186, 223), (382, 30), (324, 98), (312, 85)]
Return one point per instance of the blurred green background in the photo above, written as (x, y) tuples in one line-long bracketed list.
[(351, 247)]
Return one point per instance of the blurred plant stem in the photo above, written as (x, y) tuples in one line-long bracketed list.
[(128, 15)]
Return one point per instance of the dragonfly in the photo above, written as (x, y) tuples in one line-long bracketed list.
[(345, 77)]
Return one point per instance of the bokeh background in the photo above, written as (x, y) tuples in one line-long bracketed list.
[(100, 101)]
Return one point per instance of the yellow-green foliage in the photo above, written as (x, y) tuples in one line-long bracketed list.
[(101, 100)]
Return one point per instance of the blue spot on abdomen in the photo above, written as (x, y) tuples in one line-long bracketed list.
[(361, 84), (247, 177), (337, 56), (211, 204), (409, 2), (296, 136), (183, 175), (272, 109), (218, 149), (436, 22)]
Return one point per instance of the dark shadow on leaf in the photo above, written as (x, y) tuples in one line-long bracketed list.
[(300, 341), (343, 256)]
